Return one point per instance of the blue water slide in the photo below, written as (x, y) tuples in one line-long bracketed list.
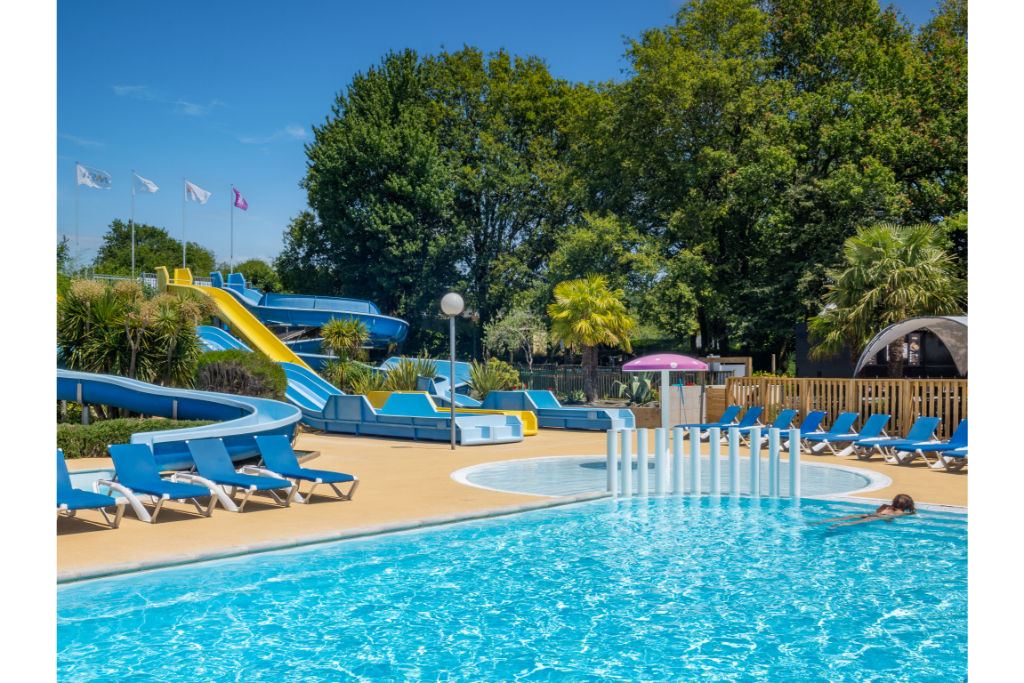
[(239, 418), (313, 311), (216, 339), (411, 416), (551, 413)]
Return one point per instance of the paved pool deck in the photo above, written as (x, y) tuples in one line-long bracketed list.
[(402, 484)]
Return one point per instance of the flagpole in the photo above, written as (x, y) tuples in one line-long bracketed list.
[(184, 192), (77, 246), (133, 223), (231, 257)]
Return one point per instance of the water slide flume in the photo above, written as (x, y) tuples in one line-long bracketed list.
[(239, 418), (313, 311), (379, 398), (243, 323), (325, 407)]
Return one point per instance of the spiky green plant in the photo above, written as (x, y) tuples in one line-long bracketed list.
[(403, 375), (495, 375), (345, 337), (639, 390)]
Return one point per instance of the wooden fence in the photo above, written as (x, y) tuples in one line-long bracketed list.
[(904, 399)]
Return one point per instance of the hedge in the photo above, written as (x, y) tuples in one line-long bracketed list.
[(91, 441), (243, 373)]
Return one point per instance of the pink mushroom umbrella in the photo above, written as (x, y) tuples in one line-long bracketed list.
[(666, 362)]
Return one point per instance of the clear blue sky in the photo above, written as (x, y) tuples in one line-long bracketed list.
[(226, 93)]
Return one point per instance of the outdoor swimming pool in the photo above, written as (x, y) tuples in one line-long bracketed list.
[(570, 475), (670, 588)]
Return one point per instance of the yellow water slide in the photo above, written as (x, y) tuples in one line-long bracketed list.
[(243, 324), (529, 419)]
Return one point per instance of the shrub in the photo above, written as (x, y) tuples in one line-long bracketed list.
[(91, 441), (243, 373), (496, 375), (638, 392), (402, 376)]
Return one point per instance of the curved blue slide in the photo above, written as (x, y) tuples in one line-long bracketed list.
[(410, 416), (240, 418), (313, 311)]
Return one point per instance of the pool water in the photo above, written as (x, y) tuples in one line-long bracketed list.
[(656, 589), (571, 475)]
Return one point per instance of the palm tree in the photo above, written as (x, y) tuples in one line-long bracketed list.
[(345, 337), (892, 273), (586, 314)]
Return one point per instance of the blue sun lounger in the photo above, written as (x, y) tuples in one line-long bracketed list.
[(839, 434), (920, 431), (213, 464), (70, 500), (810, 425), (957, 441), (279, 460), (781, 422), (137, 476), (728, 419), (955, 459)]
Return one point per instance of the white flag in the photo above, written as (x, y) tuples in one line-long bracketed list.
[(196, 193), (92, 177), (143, 185)]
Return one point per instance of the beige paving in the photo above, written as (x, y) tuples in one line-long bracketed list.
[(399, 481)]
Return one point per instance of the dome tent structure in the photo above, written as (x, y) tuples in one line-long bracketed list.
[(951, 331)]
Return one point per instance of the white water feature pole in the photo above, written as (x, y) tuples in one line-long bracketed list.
[(678, 479), (660, 462), (715, 443), (612, 462), (755, 462), (695, 460), (641, 461), (794, 463), (626, 469), (773, 462), (734, 461)]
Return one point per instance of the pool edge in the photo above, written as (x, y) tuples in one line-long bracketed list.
[(101, 571)]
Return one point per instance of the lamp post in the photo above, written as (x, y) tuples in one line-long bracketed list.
[(451, 306)]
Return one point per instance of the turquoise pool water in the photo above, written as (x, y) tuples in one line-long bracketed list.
[(658, 589)]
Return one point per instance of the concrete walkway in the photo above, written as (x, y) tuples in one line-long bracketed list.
[(400, 482)]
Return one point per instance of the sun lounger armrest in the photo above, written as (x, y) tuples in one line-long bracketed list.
[(261, 472), (113, 486), (215, 489)]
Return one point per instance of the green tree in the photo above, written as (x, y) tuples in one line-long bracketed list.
[(259, 275), (586, 314), (381, 190), (891, 273), (760, 135), (153, 247), (519, 330), (304, 265)]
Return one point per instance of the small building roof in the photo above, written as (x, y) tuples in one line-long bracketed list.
[(951, 330)]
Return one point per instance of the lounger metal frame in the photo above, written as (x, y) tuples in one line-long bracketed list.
[(261, 470), (134, 498), (64, 510)]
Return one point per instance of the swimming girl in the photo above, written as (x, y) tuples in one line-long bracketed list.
[(901, 505)]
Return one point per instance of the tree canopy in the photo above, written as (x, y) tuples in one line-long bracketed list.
[(153, 248), (715, 184)]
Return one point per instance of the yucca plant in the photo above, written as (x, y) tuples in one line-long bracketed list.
[(345, 337), (364, 380), (492, 376), (403, 375)]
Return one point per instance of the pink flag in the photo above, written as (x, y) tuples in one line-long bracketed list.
[(240, 201)]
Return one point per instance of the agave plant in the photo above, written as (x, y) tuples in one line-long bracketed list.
[(638, 391)]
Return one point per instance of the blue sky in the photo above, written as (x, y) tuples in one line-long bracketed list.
[(226, 93)]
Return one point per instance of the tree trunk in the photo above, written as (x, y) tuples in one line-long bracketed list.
[(590, 373), (896, 359)]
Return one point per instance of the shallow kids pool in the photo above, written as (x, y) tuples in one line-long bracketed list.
[(656, 589)]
